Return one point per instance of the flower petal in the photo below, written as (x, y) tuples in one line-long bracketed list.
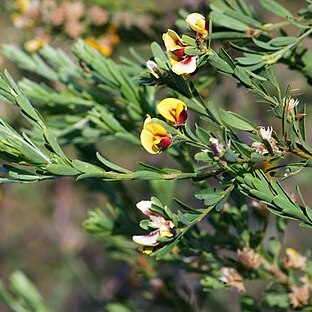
[(147, 141), (154, 137), (173, 110), (172, 41), (187, 66), (144, 206), (147, 240)]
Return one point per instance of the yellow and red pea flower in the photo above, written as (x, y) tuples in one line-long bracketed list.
[(294, 260), (173, 110), (154, 137), (182, 64), (198, 23)]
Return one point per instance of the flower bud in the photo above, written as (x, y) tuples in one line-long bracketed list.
[(197, 22)]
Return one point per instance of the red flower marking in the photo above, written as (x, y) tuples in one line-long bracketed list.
[(164, 143)]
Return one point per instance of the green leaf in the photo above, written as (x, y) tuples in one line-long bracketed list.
[(62, 170), (52, 141), (220, 64), (228, 22), (243, 76), (236, 121), (283, 41), (277, 300), (85, 167), (189, 40), (25, 105), (159, 54), (162, 252), (111, 165), (250, 59), (209, 283), (192, 51), (274, 7)]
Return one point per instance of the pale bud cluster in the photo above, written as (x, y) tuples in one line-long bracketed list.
[(233, 279)]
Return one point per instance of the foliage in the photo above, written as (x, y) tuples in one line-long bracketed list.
[(237, 166)]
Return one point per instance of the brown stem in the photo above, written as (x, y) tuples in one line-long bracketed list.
[(302, 154), (275, 270)]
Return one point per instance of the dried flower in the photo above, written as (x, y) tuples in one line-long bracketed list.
[(163, 227), (58, 13), (299, 296), (233, 279), (75, 11), (97, 15), (248, 258), (74, 28), (154, 137), (294, 260), (266, 134), (216, 147), (198, 23), (291, 106), (21, 21), (174, 110)]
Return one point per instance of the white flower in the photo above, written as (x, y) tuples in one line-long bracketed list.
[(216, 147), (163, 227), (266, 134), (186, 66), (153, 67), (232, 278), (291, 105)]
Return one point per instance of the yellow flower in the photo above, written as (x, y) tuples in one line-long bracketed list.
[(105, 49), (173, 110), (22, 5), (197, 22), (36, 44), (173, 41), (182, 64), (294, 260), (21, 21), (106, 42), (154, 137)]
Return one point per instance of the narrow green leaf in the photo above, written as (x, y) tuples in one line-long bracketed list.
[(62, 170), (220, 64), (111, 165), (274, 7), (228, 22), (236, 121), (283, 41)]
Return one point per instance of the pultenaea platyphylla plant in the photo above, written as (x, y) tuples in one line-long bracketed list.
[(221, 234)]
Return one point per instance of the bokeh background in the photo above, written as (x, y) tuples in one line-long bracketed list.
[(40, 231)]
